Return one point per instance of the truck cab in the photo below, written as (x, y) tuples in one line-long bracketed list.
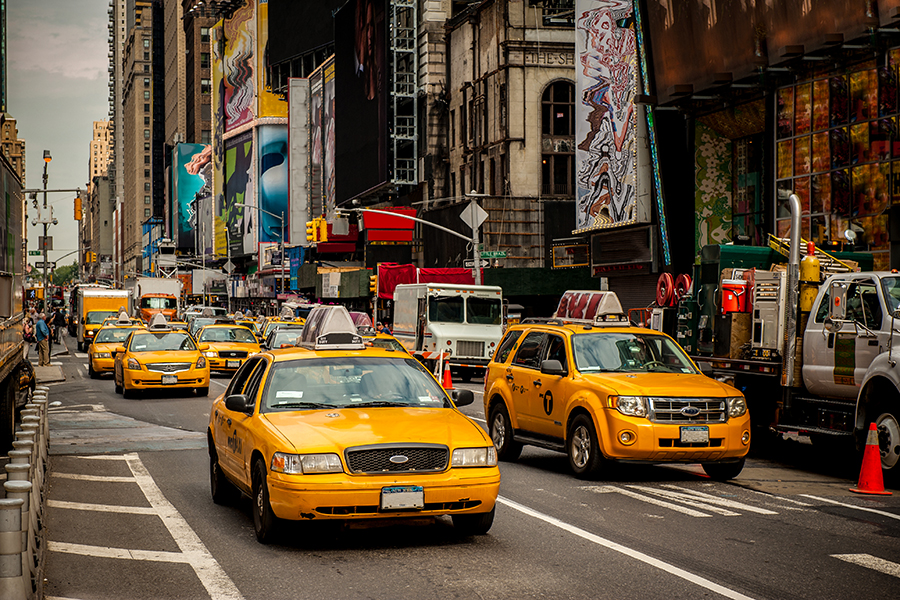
[(152, 304)]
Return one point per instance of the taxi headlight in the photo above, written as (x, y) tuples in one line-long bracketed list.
[(201, 363), (633, 406), (210, 353), (103, 355), (474, 457), (737, 406), (307, 464), (133, 364)]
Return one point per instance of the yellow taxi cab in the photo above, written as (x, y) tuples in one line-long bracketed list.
[(251, 324), (384, 341), (335, 430), (178, 325), (229, 345), (160, 358), (600, 390), (101, 352), (273, 322)]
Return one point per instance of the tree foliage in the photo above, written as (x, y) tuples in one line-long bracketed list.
[(63, 275)]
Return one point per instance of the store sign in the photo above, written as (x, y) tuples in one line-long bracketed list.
[(567, 256)]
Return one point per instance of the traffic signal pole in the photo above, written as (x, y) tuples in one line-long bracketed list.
[(47, 160)]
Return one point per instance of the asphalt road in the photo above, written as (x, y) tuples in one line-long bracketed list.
[(129, 516)]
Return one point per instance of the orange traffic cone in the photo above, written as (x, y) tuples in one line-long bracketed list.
[(871, 480), (448, 381)]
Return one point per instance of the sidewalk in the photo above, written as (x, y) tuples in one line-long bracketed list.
[(52, 373)]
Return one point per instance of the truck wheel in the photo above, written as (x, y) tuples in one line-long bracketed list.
[(889, 445), (724, 471), (583, 448), (501, 433)]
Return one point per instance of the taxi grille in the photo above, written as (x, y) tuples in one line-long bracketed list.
[(420, 458), (687, 410), (168, 367), (466, 348), (232, 354)]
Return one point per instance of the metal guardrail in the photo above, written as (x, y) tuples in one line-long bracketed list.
[(22, 534)]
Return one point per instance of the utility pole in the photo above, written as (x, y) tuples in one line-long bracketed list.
[(282, 253), (44, 216)]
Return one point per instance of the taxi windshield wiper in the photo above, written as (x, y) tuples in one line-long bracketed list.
[(302, 405), (376, 403)]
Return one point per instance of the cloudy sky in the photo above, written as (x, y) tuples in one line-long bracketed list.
[(57, 88)]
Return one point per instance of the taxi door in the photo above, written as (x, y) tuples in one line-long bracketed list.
[(521, 375), (549, 399), (229, 425), (242, 425)]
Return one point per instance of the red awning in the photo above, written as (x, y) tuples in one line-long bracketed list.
[(390, 275)]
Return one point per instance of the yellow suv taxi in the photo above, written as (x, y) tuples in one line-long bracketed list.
[(159, 358), (229, 346), (336, 430), (102, 351), (600, 390)]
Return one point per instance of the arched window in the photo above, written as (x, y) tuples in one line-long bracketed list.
[(558, 139)]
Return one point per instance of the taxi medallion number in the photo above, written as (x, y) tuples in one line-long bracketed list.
[(402, 497), (695, 435), (232, 364), (169, 379)]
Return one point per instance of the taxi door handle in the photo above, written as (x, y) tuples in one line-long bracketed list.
[(537, 383), (509, 377)]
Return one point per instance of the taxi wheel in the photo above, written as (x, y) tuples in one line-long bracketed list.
[(118, 387), (129, 394), (583, 448), (91, 372), (477, 524), (501, 432), (222, 490), (264, 520), (724, 471), (204, 391)]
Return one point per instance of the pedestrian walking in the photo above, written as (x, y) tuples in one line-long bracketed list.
[(28, 333), (58, 322), (42, 335)]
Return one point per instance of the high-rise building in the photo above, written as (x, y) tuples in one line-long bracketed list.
[(98, 158), (197, 74), (174, 61), (116, 39), (3, 70), (13, 147)]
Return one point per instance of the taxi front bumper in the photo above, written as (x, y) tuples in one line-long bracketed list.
[(340, 496), (103, 365), (662, 442), (144, 379), (225, 364)]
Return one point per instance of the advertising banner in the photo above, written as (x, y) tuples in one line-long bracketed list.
[(316, 152), (298, 155), (272, 144), (239, 190), (218, 129), (191, 181), (605, 120), (239, 66), (270, 105)]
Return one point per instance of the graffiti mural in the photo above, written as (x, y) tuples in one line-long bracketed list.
[(218, 131), (240, 88), (605, 117), (712, 185)]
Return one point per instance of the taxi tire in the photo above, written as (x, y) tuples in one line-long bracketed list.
[(204, 391), (222, 490), (500, 426), (583, 448), (265, 523), (91, 372), (723, 471), (477, 524), (129, 394), (118, 387)]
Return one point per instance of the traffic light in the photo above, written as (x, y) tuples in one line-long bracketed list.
[(323, 230), (78, 208), (373, 284), (311, 231), (93, 257)]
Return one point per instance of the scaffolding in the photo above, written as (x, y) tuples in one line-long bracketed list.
[(404, 91)]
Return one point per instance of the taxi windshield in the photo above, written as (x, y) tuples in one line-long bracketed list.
[(628, 353), (351, 382), (113, 335), (95, 317), (161, 341), (387, 343), (285, 336), (238, 335)]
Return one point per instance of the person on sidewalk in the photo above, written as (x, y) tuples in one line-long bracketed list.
[(58, 322), (42, 335)]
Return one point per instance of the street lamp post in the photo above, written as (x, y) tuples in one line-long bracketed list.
[(281, 218), (47, 159)]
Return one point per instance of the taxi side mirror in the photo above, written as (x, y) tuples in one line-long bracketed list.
[(239, 403), (552, 367), (119, 349), (706, 369), (462, 397), (202, 347)]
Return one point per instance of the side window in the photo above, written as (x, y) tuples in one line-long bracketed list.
[(506, 346), (529, 354), (556, 350), (822, 313), (252, 389), (240, 378), (863, 305)]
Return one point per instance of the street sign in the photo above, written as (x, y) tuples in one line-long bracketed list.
[(34, 253), (473, 215), (493, 254), (470, 263), (41, 265), (228, 266), (45, 243)]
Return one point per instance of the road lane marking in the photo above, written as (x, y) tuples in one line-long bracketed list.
[(81, 355), (80, 477), (104, 456), (111, 508), (710, 499), (685, 499), (126, 553), (871, 510), (630, 552), (608, 489), (224, 385), (871, 562), (217, 583)]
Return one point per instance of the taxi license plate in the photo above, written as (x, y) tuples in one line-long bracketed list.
[(402, 497), (169, 379), (232, 364), (695, 435)]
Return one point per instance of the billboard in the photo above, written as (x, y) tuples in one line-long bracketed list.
[(605, 120), (191, 180), (239, 65), (298, 153), (316, 148), (361, 75), (218, 130), (240, 221), (272, 145), (269, 104)]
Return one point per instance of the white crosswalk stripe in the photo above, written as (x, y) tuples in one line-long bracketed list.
[(871, 562)]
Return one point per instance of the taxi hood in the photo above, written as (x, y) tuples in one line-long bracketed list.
[(334, 430), (679, 385)]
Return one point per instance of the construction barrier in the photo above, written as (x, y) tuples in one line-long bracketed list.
[(22, 535)]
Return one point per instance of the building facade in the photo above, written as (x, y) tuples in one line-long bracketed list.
[(13, 147)]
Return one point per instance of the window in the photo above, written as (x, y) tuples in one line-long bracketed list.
[(146, 56), (204, 35), (146, 107), (507, 345), (558, 131), (452, 128), (558, 109), (146, 134), (204, 60), (146, 186), (205, 137), (529, 354), (146, 146), (146, 94), (146, 172), (146, 212), (146, 159), (205, 87), (556, 350), (557, 174), (146, 199), (146, 82), (146, 120), (146, 43)]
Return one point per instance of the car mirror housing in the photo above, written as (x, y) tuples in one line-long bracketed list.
[(552, 367), (202, 347), (463, 397), (706, 369), (239, 403), (120, 349)]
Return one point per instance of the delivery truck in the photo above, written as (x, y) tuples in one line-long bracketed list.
[(155, 295), (93, 306)]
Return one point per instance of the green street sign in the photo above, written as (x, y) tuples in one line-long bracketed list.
[(493, 254), (34, 253)]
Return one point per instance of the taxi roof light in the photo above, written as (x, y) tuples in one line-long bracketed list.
[(159, 323), (330, 328), (591, 308)]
